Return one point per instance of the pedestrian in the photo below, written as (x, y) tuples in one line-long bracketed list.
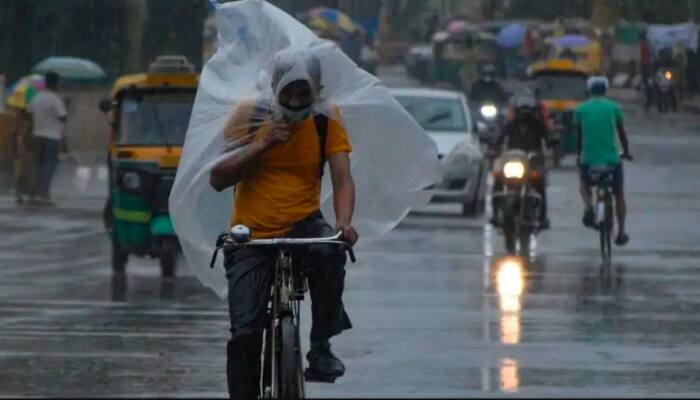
[(644, 56), (24, 168), (681, 62), (645, 67), (48, 117)]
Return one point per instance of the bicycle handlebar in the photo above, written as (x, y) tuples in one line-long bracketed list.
[(226, 241)]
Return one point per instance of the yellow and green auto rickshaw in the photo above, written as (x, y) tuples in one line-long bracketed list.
[(149, 117), (561, 86)]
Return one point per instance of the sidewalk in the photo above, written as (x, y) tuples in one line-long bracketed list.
[(73, 180)]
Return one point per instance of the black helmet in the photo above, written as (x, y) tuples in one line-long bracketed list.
[(524, 105), (488, 71)]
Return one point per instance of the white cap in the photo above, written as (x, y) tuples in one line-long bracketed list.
[(597, 80)]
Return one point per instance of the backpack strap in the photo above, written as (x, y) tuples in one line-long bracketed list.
[(321, 122)]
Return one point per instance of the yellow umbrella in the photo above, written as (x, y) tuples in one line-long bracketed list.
[(330, 18), (23, 91), (320, 24)]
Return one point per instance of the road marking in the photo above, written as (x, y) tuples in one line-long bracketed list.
[(120, 354), (24, 334), (488, 213), (45, 266)]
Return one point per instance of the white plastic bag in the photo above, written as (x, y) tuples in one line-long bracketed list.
[(393, 159)]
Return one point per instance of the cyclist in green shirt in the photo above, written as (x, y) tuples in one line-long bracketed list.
[(599, 121)]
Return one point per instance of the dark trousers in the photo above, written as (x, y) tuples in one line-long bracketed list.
[(250, 272), (47, 158)]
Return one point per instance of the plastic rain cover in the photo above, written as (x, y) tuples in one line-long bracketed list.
[(392, 161)]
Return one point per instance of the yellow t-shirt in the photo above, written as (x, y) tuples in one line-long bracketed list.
[(286, 186)]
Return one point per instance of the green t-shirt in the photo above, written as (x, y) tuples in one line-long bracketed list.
[(598, 119)]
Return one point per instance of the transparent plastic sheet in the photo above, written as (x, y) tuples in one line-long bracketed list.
[(392, 161)]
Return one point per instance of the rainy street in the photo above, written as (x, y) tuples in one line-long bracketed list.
[(437, 310)]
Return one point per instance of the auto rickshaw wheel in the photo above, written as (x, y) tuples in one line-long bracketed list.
[(119, 258), (168, 257)]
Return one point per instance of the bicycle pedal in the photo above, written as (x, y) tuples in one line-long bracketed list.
[(313, 376)]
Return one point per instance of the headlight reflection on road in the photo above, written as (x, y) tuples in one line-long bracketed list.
[(510, 285), (510, 375)]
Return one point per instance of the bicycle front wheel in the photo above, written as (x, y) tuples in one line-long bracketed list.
[(290, 374)]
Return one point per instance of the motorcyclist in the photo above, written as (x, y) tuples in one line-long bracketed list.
[(527, 132), (599, 123), (279, 146), (487, 88), (542, 111)]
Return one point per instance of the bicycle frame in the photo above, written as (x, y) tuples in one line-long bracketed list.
[(286, 293), (604, 218)]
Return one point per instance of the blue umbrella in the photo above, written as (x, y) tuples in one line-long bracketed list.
[(571, 41), (511, 35), (71, 68)]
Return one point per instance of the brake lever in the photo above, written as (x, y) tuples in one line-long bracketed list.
[(219, 244), (213, 258), (351, 254)]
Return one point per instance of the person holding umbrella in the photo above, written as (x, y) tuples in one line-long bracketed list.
[(19, 121), (48, 117)]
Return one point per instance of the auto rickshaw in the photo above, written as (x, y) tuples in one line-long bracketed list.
[(149, 117), (561, 86), (456, 57), (588, 56)]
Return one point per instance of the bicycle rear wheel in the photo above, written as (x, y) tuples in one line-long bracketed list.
[(290, 374), (606, 228)]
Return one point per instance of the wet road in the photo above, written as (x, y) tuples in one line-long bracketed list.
[(437, 310)]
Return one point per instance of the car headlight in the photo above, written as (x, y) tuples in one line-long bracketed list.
[(514, 170), (131, 180), (488, 111)]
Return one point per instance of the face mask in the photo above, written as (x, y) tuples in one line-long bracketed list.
[(296, 115)]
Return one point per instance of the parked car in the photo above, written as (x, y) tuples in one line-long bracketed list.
[(445, 116)]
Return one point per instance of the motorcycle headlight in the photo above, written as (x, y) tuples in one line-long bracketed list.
[(514, 170), (131, 180), (488, 111), (668, 75)]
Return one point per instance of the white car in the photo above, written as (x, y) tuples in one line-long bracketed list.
[(444, 115)]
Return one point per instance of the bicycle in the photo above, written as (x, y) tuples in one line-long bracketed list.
[(282, 363), (602, 179)]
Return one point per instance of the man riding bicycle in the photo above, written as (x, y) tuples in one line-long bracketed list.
[(598, 120), (280, 150)]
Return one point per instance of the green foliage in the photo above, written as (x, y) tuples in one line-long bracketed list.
[(655, 11), (94, 29), (548, 9)]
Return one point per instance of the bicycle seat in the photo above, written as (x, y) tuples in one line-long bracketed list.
[(601, 174)]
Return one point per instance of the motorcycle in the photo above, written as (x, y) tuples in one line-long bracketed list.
[(517, 204), (489, 121), (666, 96)]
